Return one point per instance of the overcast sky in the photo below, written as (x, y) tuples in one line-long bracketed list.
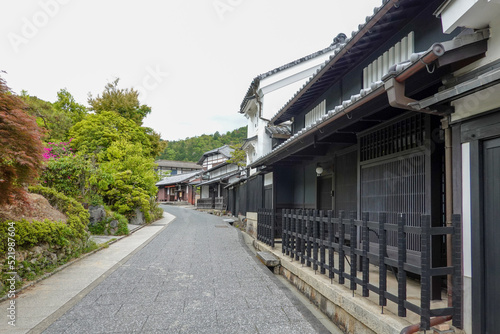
[(192, 60)]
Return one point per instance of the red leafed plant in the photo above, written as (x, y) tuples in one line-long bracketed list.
[(21, 148)]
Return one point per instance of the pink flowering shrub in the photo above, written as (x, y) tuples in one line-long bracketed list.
[(57, 150)]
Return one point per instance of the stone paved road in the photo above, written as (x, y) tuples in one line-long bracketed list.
[(196, 276)]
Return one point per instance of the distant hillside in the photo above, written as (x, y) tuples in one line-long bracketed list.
[(191, 149)]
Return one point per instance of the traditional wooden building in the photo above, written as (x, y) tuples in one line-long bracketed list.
[(369, 166), (180, 187), (171, 167), (217, 173)]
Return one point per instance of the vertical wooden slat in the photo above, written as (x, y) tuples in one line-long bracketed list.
[(303, 237), (322, 242), (425, 278), (298, 231), (309, 237), (315, 238), (353, 242), (341, 247), (401, 262), (292, 234), (285, 236), (331, 263), (272, 225), (382, 250), (366, 263), (457, 270)]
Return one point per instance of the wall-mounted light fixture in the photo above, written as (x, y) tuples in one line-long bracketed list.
[(319, 170)]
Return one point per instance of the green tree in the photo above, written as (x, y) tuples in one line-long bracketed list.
[(133, 178), (238, 156), (97, 132), (191, 149), (125, 102), (55, 122), (66, 104), (21, 147)]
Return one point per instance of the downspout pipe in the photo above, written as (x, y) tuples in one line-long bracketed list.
[(395, 86), (448, 201), (434, 322)]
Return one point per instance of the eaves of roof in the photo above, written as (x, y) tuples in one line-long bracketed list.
[(180, 178), (339, 111), (224, 150), (177, 164), (248, 142), (218, 179), (400, 72), (350, 53), (480, 82), (239, 180), (255, 82), (279, 131)]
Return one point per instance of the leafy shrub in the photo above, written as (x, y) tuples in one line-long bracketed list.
[(78, 217)]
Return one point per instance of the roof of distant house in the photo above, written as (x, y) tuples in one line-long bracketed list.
[(177, 178), (255, 82), (224, 150), (178, 164)]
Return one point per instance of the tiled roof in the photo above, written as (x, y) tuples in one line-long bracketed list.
[(178, 164), (377, 88), (177, 178), (224, 150), (481, 81), (279, 130), (348, 54), (255, 82), (219, 178)]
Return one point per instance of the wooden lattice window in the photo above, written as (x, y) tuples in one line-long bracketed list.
[(398, 137)]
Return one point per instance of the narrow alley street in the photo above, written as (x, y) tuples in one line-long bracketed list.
[(195, 276)]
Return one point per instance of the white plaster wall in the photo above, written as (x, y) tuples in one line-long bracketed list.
[(300, 70), (466, 239), (274, 101), (275, 91), (204, 191), (454, 13), (268, 179)]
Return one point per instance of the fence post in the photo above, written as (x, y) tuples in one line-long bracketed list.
[(303, 237), (382, 249), (366, 263), (292, 233), (457, 270), (341, 247), (259, 223), (315, 239), (309, 237), (298, 231), (353, 242), (284, 234), (425, 278), (272, 218), (322, 242), (331, 263), (401, 263)]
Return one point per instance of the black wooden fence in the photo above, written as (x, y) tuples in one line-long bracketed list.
[(269, 226), (308, 235)]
